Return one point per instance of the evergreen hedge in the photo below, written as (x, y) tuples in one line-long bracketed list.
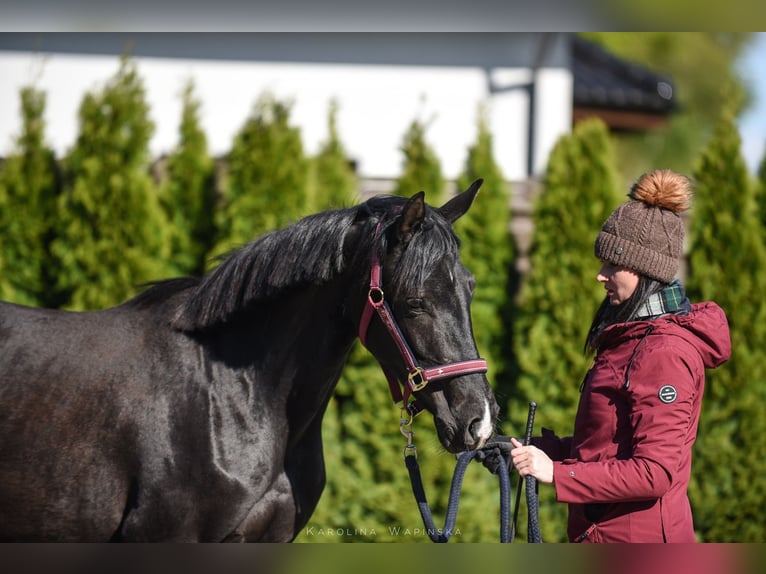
[(268, 177), (188, 193), (421, 169), (111, 233), (488, 250), (29, 184), (334, 182), (727, 263)]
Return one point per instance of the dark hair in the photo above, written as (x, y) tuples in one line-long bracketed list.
[(608, 314)]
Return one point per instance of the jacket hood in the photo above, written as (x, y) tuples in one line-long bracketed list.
[(705, 327)]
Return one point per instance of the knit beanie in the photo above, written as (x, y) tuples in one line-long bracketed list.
[(646, 234)]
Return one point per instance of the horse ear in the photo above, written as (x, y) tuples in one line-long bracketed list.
[(412, 216), (458, 205)]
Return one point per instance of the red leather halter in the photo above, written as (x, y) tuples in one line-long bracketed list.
[(417, 377)]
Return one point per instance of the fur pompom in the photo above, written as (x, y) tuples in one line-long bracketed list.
[(663, 188)]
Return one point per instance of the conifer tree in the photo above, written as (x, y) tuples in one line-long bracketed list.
[(335, 184), (488, 251), (29, 184), (268, 176), (188, 193), (421, 170), (6, 287), (726, 265), (761, 183), (111, 233), (559, 295)]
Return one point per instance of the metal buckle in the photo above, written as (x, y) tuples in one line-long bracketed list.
[(416, 379)]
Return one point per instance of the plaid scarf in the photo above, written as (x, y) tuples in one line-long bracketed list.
[(670, 300)]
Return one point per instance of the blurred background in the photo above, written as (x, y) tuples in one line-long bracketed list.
[(129, 157)]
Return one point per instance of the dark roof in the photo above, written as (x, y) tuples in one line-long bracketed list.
[(601, 80)]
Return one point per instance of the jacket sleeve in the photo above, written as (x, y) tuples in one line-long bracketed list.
[(662, 430), (557, 448)]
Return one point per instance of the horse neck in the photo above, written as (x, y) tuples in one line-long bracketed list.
[(331, 334), (295, 347), (316, 331)]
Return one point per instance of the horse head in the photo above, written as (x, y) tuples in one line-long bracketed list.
[(421, 294)]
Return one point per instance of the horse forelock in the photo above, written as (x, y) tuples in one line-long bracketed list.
[(434, 243)]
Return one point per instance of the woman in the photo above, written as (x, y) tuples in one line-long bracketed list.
[(625, 470)]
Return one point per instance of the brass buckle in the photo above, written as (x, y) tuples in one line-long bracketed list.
[(416, 379)]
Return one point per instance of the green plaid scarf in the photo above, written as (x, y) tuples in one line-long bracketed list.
[(670, 300)]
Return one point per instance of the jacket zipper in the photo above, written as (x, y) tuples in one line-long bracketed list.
[(587, 533), (633, 356)]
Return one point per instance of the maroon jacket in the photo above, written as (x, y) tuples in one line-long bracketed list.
[(625, 471)]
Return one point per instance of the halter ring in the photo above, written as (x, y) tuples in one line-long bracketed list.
[(375, 295)]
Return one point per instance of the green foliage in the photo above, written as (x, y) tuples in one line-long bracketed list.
[(421, 169), (188, 193), (488, 251), (727, 260), (699, 96), (268, 176), (28, 189), (761, 194), (559, 295), (111, 235), (335, 184)]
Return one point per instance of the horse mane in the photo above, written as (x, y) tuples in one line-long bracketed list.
[(308, 252)]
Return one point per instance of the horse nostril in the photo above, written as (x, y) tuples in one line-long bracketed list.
[(473, 438)]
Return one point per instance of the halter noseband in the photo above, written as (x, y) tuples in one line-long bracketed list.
[(417, 377)]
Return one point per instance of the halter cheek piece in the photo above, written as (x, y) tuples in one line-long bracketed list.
[(417, 377)]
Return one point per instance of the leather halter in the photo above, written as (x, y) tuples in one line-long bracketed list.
[(417, 376)]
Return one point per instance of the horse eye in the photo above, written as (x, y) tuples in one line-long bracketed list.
[(415, 306)]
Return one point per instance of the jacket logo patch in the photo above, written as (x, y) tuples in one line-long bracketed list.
[(668, 394)]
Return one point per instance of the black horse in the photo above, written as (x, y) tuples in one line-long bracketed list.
[(193, 411)]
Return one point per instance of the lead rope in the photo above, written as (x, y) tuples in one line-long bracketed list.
[(495, 448), (530, 482), (533, 509)]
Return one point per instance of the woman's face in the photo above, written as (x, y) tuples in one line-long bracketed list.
[(619, 282)]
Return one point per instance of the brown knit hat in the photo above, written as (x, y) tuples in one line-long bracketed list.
[(646, 234)]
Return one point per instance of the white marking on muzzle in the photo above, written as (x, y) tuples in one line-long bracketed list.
[(485, 429)]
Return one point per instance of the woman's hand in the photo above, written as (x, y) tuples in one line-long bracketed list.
[(531, 461)]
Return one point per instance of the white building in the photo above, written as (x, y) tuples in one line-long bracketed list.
[(381, 81)]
